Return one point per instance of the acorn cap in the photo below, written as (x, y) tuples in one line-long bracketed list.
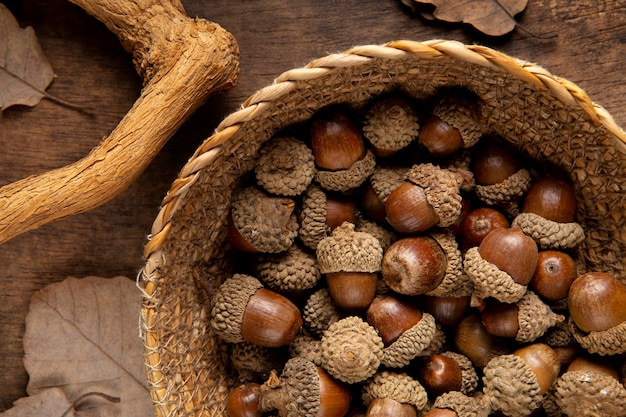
[(506, 191), (459, 163), (398, 386), (254, 362), (267, 223), (489, 281), (469, 377), (559, 335), (391, 124), (229, 305), (306, 346), (463, 405), (607, 342), (455, 282), (302, 386), (442, 189), (350, 178), (511, 386), (386, 179), (598, 394), (462, 115), (534, 317), (385, 236), (410, 343), (320, 312), (292, 270), (549, 234), (313, 226), (285, 166), (349, 251), (352, 350), (437, 342)]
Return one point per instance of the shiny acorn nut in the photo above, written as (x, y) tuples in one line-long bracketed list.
[(478, 223), (596, 364), (439, 137), (472, 340), (543, 361), (551, 198), (388, 407), (340, 210), (597, 301), (500, 319), (352, 291), (243, 401), (555, 272), (441, 374), (372, 205), (270, 319), (408, 210), (414, 265), (336, 141), (447, 311), (512, 252), (492, 164), (392, 315)]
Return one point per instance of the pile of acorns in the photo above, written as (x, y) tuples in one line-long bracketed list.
[(398, 263)]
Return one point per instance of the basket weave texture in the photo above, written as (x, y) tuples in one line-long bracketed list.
[(545, 117)]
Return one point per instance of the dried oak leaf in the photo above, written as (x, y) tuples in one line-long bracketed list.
[(25, 72), (82, 337), (492, 17)]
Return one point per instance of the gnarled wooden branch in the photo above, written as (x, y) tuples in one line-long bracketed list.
[(181, 61)]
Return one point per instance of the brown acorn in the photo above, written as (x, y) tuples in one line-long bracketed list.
[(543, 361), (492, 164), (511, 251), (500, 319), (336, 141), (408, 209), (477, 224), (597, 301), (448, 311), (394, 394), (243, 401), (441, 374), (552, 198), (392, 316), (472, 340), (556, 270)]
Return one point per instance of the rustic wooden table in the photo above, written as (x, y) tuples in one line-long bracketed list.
[(582, 41)]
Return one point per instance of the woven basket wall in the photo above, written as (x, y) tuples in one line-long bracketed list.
[(545, 117)]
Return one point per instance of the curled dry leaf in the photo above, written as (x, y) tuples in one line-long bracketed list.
[(492, 17), (82, 338)]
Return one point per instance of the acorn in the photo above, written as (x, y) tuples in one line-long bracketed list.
[(408, 209), (351, 261), (390, 125), (245, 311), (243, 400), (295, 269), (455, 281), (406, 331), (371, 204), (304, 390), (477, 224), (515, 383), (393, 394), (556, 270), (548, 214), (597, 307), (305, 345), (320, 311), (447, 311), (414, 265), (441, 374), (473, 341), (261, 223), (453, 124), (501, 266), (285, 166), (458, 404)]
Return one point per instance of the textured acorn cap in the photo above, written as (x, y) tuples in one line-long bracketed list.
[(455, 282), (349, 251), (463, 405), (386, 179), (229, 304), (267, 223), (442, 189), (459, 163), (590, 394), (398, 386), (350, 178), (352, 350), (512, 188), (549, 234), (559, 335), (285, 166), (306, 346), (385, 236), (469, 377), (292, 270), (254, 362), (313, 226), (436, 344), (489, 281), (320, 312), (410, 343), (607, 342), (462, 115), (511, 386), (391, 124), (534, 317)]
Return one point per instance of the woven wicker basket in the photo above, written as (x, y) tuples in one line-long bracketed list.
[(545, 117)]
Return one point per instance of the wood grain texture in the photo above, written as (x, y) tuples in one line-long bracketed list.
[(581, 41)]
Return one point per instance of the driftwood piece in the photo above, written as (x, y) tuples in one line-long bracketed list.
[(181, 61)]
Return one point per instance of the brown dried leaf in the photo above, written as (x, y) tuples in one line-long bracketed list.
[(492, 17), (52, 401), (25, 72), (82, 336)]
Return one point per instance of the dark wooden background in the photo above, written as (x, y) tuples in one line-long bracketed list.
[(583, 41)]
